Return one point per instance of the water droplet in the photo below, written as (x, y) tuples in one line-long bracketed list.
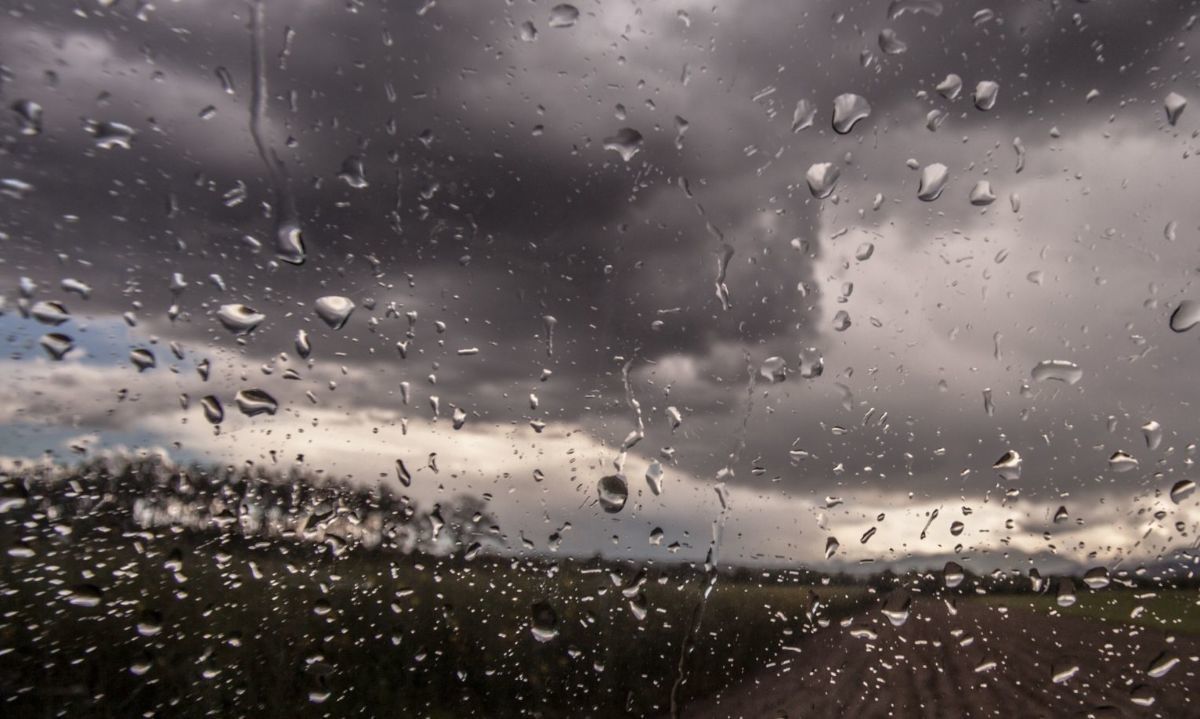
[(914, 7), (831, 547), (528, 32), (864, 252), (897, 606), (1182, 489), (1121, 462), (289, 243), (654, 477), (841, 321), (1057, 371), (1152, 431), (773, 369), (459, 417), (239, 318), (890, 43), (254, 402), (933, 181), (1009, 465), (1096, 578), (1061, 515), (213, 411), (563, 15), (803, 116), (627, 143), (981, 194), (544, 624), (143, 359), (614, 491), (334, 310), (110, 135), (822, 178), (56, 345), (29, 117), (353, 172), (1062, 673), (403, 474), (848, 110), (675, 417), (85, 595), (1065, 594), (1174, 105), (50, 313), (1161, 665), (985, 94), (812, 364), (952, 575), (1185, 316), (226, 80), (1142, 695), (950, 87)]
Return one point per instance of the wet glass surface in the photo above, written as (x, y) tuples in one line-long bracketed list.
[(484, 359)]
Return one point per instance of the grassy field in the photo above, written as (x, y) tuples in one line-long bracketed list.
[(118, 624), (1174, 610)]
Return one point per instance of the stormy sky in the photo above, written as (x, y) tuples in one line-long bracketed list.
[(488, 200)]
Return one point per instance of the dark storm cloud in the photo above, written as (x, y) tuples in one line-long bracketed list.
[(554, 224)]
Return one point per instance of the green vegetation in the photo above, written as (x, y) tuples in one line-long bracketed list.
[(1173, 610)]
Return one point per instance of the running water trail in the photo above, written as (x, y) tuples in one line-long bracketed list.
[(289, 242), (639, 431), (714, 547)]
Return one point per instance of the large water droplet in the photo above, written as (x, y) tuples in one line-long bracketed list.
[(353, 172), (848, 109), (563, 15), (1057, 371), (822, 178), (1009, 465), (890, 43), (1096, 578), (803, 115), (654, 477), (254, 402), (614, 491), (29, 117), (1152, 431), (950, 87), (1185, 316), (1161, 665), (143, 359), (831, 547), (812, 364), (56, 345), (1174, 105), (213, 411), (1121, 462), (239, 318), (933, 181), (627, 143), (952, 575), (289, 243), (1182, 489), (985, 94), (897, 606), (981, 194), (773, 369), (544, 624), (50, 313), (334, 310), (110, 135)]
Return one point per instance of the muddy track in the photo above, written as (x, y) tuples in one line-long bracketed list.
[(937, 664)]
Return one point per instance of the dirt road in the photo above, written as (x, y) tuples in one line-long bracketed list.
[(981, 662)]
